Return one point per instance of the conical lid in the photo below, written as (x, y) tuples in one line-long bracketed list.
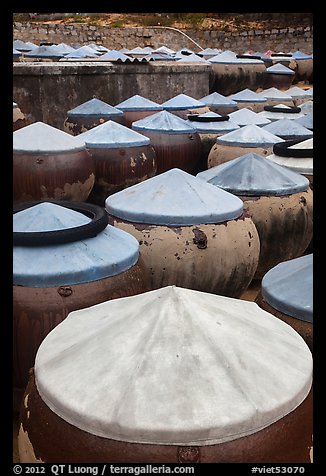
[(94, 108), (139, 103), (296, 92), (275, 94), (14, 105), (45, 51), (211, 127), (83, 52), (99, 48), (285, 113), (113, 55), (64, 49), (112, 135), (307, 107), (279, 68), (246, 95), (253, 175), (306, 121), (249, 136), (246, 116), (297, 164), (174, 198), (216, 99), (288, 287), (173, 366), (164, 122), (310, 92), (164, 49), (111, 252), (182, 101), (193, 58), (288, 129), (299, 55), (16, 52), (21, 45), (39, 138), (231, 58), (210, 51)]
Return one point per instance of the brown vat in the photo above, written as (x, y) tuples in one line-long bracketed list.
[(50, 164), (19, 119)]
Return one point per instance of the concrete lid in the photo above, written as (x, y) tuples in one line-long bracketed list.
[(139, 103), (246, 116), (83, 52), (231, 58), (39, 138), (113, 55), (246, 95), (173, 366), (164, 49), (249, 136), (182, 101), (164, 122), (64, 48), (276, 94), (45, 51), (16, 52), (254, 175), (112, 135), (288, 287), (216, 99), (193, 58), (210, 51), (213, 127), (94, 108), (174, 198), (296, 92), (139, 51), (306, 121), (285, 114), (299, 165), (307, 107), (288, 129), (299, 55), (100, 48), (111, 252), (22, 45), (310, 92), (279, 68)]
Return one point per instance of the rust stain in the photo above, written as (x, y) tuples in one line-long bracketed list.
[(200, 238)]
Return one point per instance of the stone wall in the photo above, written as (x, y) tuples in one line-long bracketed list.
[(278, 39)]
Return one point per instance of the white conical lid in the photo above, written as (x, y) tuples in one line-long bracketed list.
[(249, 136), (276, 94), (211, 127), (284, 114), (112, 135), (193, 58), (173, 366), (288, 129), (110, 252), (279, 68), (182, 101), (296, 92), (174, 198), (216, 99), (306, 121), (303, 165), (246, 95), (139, 103), (41, 138), (164, 122), (94, 108), (245, 116)]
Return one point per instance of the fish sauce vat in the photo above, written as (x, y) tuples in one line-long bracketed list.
[(65, 257), (191, 233), (247, 139), (278, 200), (287, 293), (90, 114), (122, 157), (176, 376), (50, 164), (176, 142), (278, 76), (137, 107)]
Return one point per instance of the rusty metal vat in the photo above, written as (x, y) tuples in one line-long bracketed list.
[(247, 139), (176, 376), (232, 73), (19, 119), (219, 104), (278, 200), (137, 107), (122, 157), (287, 293), (191, 234), (176, 143), (50, 164), (65, 257), (250, 100), (182, 105), (90, 114), (288, 129), (278, 76)]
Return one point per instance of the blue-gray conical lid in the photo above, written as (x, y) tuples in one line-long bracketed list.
[(276, 94), (21, 45), (113, 55), (83, 52), (288, 287), (249, 136), (246, 116), (216, 99), (46, 52), (16, 52), (111, 252), (182, 101), (246, 95), (307, 107), (193, 58), (299, 55), (174, 198), (112, 135), (288, 129), (40, 138), (231, 58), (164, 122), (139, 103), (211, 127), (296, 92), (279, 68), (94, 108), (254, 175), (306, 121)]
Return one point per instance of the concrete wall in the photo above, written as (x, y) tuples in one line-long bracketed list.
[(45, 91), (278, 39)]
